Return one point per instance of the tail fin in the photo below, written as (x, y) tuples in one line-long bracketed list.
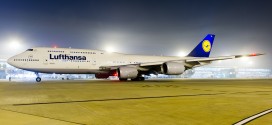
[(204, 48)]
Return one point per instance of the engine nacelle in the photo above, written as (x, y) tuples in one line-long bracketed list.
[(173, 68), (127, 72)]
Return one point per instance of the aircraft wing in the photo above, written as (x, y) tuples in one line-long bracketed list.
[(196, 62), (191, 62), (139, 65), (222, 57)]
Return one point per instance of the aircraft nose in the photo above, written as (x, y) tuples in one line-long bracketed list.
[(10, 61)]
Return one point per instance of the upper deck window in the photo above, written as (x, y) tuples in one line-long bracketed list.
[(29, 50)]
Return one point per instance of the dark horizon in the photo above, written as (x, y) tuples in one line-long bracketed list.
[(152, 27)]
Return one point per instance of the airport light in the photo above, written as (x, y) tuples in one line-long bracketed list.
[(182, 54), (109, 49), (14, 43)]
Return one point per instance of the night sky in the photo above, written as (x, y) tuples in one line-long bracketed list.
[(152, 27)]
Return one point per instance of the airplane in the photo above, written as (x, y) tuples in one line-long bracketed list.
[(104, 64)]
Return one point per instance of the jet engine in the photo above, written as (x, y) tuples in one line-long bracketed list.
[(127, 72), (173, 68)]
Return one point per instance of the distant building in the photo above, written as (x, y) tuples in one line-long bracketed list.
[(225, 72), (3, 69)]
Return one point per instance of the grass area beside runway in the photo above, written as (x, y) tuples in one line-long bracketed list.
[(168, 102)]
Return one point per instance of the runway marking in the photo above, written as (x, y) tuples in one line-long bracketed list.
[(251, 118), (132, 98), (43, 117), (116, 99)]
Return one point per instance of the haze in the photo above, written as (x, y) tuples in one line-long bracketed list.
[(152, 27)]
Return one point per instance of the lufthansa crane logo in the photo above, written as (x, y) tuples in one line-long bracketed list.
[(206, 45)]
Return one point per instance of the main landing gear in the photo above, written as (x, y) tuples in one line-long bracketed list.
[(138, 79), (38, 79), (135, 79), (123, 79)]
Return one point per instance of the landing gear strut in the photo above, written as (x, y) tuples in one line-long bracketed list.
[(38, 79)]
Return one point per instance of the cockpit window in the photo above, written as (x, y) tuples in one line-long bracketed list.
[(29, 50)]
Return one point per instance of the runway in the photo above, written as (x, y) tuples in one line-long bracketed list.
[(168, 102)]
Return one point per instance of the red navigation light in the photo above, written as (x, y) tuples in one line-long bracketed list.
[(113, 73), (253, 54)]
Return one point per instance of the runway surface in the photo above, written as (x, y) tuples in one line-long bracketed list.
[(152, 102)]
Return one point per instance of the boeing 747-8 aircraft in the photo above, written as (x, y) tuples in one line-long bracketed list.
[(104, 64)]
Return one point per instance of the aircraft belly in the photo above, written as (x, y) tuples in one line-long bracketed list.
[(65, 71)]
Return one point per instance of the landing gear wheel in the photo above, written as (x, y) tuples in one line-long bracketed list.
[(135, 79), (122, 79), (38, 79), (138, 79), (141, 78)]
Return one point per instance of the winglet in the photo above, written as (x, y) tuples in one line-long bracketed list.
[(204, 48)]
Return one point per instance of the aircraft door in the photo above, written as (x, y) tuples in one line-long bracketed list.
[(94, 61)]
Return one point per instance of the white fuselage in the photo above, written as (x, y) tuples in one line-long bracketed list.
[(76, 61)]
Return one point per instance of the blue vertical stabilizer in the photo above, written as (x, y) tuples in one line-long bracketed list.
[(204, 48)]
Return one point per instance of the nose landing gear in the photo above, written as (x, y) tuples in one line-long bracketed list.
[(38, 79)]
